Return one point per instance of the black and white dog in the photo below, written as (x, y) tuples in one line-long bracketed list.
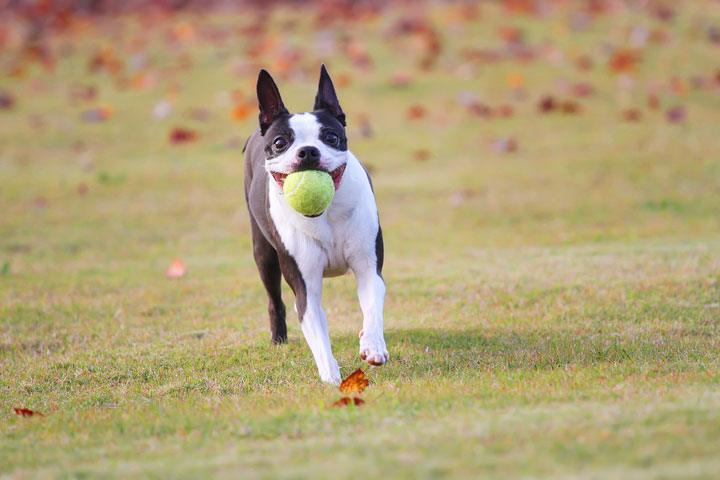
[(304, 249)]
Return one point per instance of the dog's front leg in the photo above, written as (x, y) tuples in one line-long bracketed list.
[(305, 278), (314, 326), (371, 293)]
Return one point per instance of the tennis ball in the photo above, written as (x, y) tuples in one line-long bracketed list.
[(309, 192)]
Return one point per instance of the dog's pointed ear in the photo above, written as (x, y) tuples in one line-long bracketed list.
[(326, 99), (269, 101)]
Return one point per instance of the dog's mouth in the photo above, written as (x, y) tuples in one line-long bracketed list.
[(336, 175)]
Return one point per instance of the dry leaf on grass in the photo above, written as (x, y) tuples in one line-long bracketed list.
[(345, 401), (355, 383), (26, 412)]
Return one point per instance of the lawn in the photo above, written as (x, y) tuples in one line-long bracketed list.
[(549, 190)]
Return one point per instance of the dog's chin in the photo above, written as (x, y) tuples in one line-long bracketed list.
[(336, 175)]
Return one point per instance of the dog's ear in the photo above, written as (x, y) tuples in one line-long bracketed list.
[(269, 101), (326, 99)]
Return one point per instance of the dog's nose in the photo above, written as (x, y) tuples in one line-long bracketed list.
[(308, 157)]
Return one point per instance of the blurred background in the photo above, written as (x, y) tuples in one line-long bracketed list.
[(484, 124)]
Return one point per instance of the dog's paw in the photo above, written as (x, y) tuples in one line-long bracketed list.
[(373, 350), (330, 374), (331, 380)]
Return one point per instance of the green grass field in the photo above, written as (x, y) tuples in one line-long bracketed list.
[(552, 311)]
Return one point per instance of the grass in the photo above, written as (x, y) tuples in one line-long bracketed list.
[(551, 312)]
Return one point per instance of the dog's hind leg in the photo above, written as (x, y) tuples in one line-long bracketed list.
[(266, 259)]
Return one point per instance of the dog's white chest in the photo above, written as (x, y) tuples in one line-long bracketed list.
[(329, 240)]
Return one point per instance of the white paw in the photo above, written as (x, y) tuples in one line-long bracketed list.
[(330, 374), (373, 349)]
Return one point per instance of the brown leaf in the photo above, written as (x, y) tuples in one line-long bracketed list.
[(570, 107), (355, 383), (176, 269), (480, 110), (182, 135), (547, 104), (26, 412), (7, 101), (631, 115), (345, 401), (653, 102), (676, 114), (422, 155)]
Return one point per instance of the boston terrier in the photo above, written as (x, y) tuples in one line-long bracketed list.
[(346, 236)]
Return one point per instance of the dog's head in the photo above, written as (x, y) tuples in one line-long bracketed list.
[(302, 141)]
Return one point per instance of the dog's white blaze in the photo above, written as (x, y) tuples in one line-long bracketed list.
[(342, 237), (307, 132)]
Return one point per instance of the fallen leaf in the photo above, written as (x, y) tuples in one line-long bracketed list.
[(623, 60), (366, 130), (676, 114), (653, 102), (504, 145), (547, 104), (631, 115), (345, 401), (26, 412), (421, 155), (99, 114), (480, 110), (584, 63), (401, 79), (201, 114), (342, 80), (415, 111), (355, 383), (570, 107), (505, 111), (176, 269), (583, 89), (7, 101), (41, 202), (515, 80), (182, 135), (240, 112)]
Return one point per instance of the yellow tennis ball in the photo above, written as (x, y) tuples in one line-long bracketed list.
[(309, 192)]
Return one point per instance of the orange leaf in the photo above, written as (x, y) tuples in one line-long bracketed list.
[(623, 60), (26, 412), (415, 112), (345, 401), (176, 269), (240, 112), (355, 383)]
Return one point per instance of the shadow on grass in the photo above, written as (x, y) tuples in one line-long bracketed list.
[(453, 352), (203, 366)]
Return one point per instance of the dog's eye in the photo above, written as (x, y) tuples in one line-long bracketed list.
[(279, 143), (331, 138)]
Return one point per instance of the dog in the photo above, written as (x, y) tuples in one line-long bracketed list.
[(303, 249)]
